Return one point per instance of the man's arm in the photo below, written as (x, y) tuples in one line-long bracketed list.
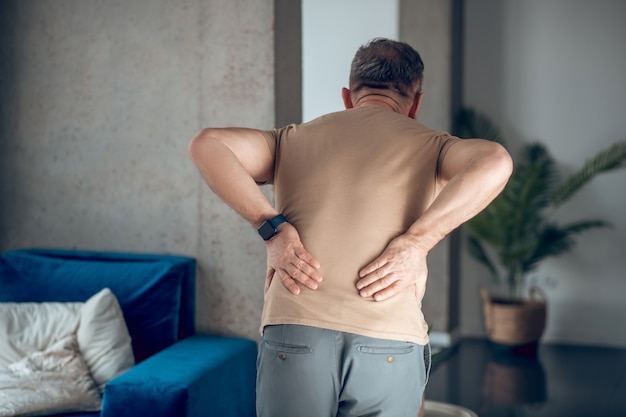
[(232, 162), (473, 172)]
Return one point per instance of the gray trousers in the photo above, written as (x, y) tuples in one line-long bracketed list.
[(311, 372)]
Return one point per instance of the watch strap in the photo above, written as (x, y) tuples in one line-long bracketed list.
[(269, 228), (277, 220)]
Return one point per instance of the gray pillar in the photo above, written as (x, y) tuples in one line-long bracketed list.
[(430, 26), (288, 66)]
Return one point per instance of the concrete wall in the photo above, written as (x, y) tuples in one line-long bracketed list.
[(554, 71), (98, 101)]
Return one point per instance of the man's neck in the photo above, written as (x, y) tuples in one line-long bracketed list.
[(379, 100)]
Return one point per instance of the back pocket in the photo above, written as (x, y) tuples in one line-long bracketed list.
[(287, 348), (385, 350)]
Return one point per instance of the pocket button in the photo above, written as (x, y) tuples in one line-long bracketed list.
[(390, 359), (282, 356)]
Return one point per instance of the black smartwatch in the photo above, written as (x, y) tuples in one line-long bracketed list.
[(269, 228)]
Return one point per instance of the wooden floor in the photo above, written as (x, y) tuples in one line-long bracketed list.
[(561, 380)]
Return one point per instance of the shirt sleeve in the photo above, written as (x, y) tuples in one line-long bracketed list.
[(273, 138), (446, 143)]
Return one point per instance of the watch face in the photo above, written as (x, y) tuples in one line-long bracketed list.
[(267, 230)]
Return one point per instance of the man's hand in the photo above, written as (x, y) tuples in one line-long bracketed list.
[(473, 172), (402, 264), (288, 261)]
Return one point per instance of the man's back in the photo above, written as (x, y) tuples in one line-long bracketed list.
[(350, 182), (367, 194)]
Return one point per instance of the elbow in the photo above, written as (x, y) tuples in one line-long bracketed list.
[(502, 162), (198, 144), (505, 161)]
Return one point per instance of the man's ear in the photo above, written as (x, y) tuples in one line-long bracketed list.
[(415, 108), (347, 99)]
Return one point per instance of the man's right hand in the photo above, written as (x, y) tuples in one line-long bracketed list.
[(289, 261)]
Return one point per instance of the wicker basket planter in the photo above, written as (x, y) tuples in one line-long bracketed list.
[(515, 323)]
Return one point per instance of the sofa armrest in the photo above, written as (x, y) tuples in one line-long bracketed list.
[(197, 376)]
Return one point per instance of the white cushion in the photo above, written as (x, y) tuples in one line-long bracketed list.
[(31, 327), (103, 338), (98, 324), (52, 381)]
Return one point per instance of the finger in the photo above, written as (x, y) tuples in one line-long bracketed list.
[(420, 290), (374, 275), (388, 292), (306, 263), (308, 270), (289, 283), (307, 257), (301, 277), (372, 267), (269, 277), (378, 285)]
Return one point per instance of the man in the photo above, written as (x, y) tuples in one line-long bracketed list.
[(362, 195)]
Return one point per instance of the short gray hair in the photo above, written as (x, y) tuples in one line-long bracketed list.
[(386, 64)]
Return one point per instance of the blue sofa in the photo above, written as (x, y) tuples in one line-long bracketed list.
[(177, 372)]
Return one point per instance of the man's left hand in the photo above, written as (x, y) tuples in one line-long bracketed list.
[(402, 264)]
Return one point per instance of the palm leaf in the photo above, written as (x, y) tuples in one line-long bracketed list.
[(500, 222), (491, 225), (528, 192), (515, 225), (471, 124), (612, 158), (514, 256), (554, 240), (477, 250)]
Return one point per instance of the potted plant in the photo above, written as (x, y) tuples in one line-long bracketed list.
[(518, 230)]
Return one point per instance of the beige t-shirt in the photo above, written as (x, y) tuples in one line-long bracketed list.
[(350, 182)]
